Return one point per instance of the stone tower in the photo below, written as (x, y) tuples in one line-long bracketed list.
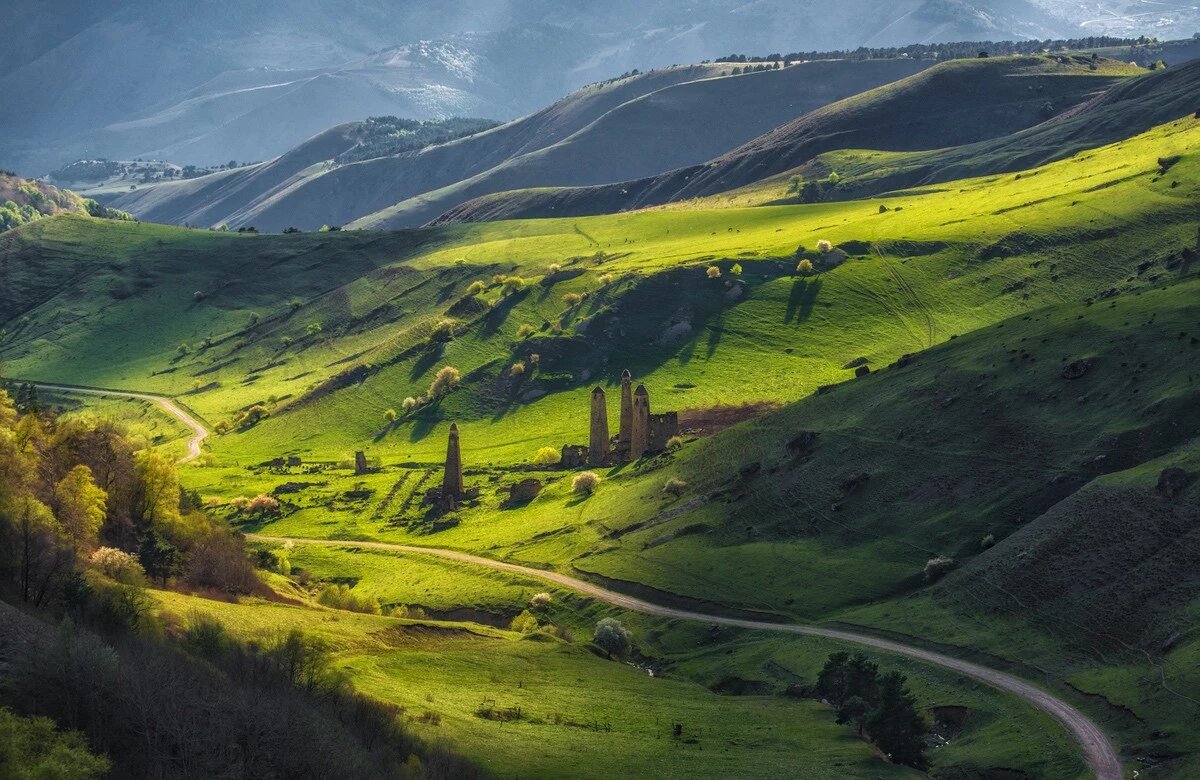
[(598, 444), (452, 482), (639, 434), (623, 433)]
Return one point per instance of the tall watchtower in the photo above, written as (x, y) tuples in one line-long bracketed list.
[(598, 443)]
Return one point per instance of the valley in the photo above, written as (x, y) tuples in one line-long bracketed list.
[(917, 354)]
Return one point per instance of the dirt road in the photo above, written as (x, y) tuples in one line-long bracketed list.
[(1097, 749), (199, 432)]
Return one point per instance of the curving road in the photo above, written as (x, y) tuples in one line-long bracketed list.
[(199, 432), (1097, 749)]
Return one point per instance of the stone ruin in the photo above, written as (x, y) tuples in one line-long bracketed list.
[(452, 491), (640, 432)]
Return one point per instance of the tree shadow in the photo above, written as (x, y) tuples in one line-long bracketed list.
[(491, 322), (426, 361), (801, 300), (714, 338)]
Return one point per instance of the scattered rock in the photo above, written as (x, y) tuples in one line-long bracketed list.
[(1077, 368), (862, 371), (675, 333), (802, 443), (1171, 482), (854, 483)]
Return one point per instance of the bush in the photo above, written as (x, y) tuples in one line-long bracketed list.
[(341, 597), (572, 299), (262, 505), (713, 272), (525, 331), (540, 600), (674, 443), (32, 748), (987, 541), (612, 638), (408, 404), (513, 284), (586, 483), (553, 268), (547, 456), (804, 267), (389, 416), (220, 562), (248, 418), (445, 380), (517, 369), (605, 279), (736, 270), (118, 565), (824, 247), (675, 487), (936, 568), (443, 331), (474, 288), (525, 622)]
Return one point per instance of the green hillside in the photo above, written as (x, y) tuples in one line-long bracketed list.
[(1031, 339), (951, 104), (24, 200)]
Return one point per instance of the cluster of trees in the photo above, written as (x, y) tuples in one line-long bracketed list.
[(70, 488), (879, 706), (87, 520), (381, 136), (945, 51), (814, 190)]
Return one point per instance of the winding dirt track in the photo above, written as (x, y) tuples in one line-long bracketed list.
[(1097, 749), (199, 432)]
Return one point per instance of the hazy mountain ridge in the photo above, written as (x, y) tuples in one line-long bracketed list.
[(201, 83)]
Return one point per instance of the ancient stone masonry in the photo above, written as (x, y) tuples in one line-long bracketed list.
[(640, 433), (574, 456), (626, 411), (639, 428), (599, 442), (452, 480)]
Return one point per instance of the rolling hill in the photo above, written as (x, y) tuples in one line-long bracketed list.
[(952, 104), (633, 126), (23, 201), (199, 84), (965, 422)]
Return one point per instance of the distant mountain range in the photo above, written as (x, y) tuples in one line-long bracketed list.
[(202, 83)]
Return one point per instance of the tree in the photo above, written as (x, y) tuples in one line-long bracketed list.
[(896, 725), (33, 749), (524, 623), (547, 456), (445, 380), (161, 559), (713, 272), (612, 638), (158, 487), (586, 483), (80, 506), (804, 267)]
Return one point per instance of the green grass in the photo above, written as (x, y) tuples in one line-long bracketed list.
[(994, 283)]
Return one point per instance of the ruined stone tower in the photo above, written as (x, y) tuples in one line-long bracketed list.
[(623, 433), (598, 444), (639, 433), (452, 482)]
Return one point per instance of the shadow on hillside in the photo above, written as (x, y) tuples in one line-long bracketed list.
[(801, 300), (491, 322)]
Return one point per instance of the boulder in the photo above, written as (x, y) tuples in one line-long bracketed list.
[(1076, 368), (524, 491), (1171, 482)]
